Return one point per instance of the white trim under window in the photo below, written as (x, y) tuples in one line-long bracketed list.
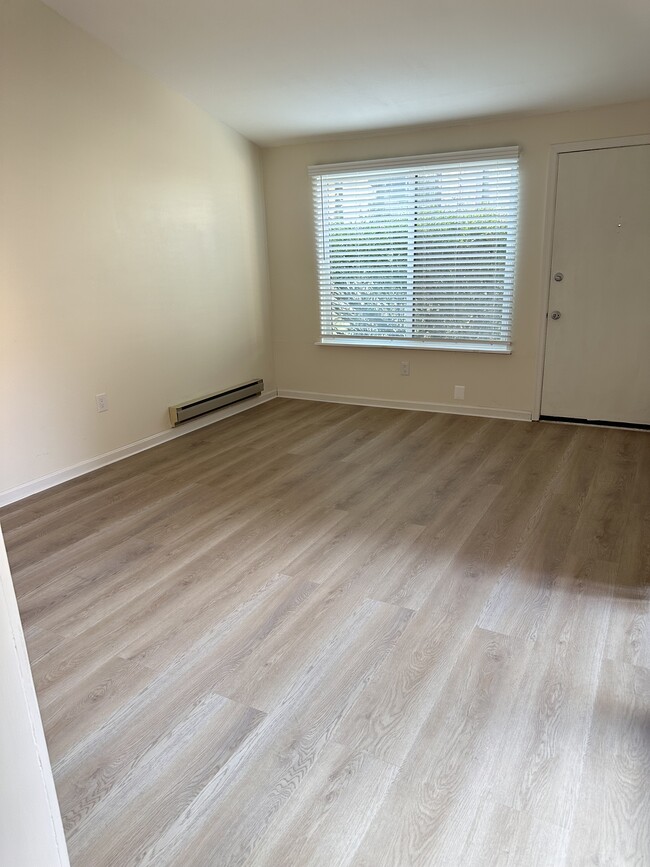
[(418, 252)]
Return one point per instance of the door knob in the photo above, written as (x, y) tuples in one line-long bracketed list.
[(555, 314), (558, 277)]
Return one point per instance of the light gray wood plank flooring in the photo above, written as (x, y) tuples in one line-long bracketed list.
[(328, 635)]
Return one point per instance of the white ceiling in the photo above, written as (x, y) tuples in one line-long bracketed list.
[(282, 69)]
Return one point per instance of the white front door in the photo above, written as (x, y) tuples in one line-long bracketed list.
[(597, 362)]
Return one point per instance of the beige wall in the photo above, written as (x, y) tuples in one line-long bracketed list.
[(132, 249), (491, 381)]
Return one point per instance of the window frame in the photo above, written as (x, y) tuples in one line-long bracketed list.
[(456, 344)]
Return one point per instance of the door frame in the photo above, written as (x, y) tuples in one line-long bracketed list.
[(549, 230)]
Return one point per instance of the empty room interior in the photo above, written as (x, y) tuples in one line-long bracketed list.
[(325, 443)]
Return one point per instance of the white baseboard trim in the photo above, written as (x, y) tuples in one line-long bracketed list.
[(422, 406), (52, 479)]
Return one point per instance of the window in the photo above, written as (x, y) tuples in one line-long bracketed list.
[(418, 252)]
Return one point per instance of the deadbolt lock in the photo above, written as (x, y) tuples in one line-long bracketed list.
[(558, 277), (555, 314)]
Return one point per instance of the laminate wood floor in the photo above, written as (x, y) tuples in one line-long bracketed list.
[(314, 634)]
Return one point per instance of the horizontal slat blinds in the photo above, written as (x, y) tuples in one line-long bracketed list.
[(418, 251)]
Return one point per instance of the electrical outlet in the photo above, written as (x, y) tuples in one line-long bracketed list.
[(459, 392), (102, 402), (405, 368)]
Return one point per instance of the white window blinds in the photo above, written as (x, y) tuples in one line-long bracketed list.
[(418, 251)]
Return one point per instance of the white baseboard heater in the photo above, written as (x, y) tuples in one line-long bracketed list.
[(209, 402)]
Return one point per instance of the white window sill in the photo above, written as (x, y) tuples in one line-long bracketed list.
[(494, 348)]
